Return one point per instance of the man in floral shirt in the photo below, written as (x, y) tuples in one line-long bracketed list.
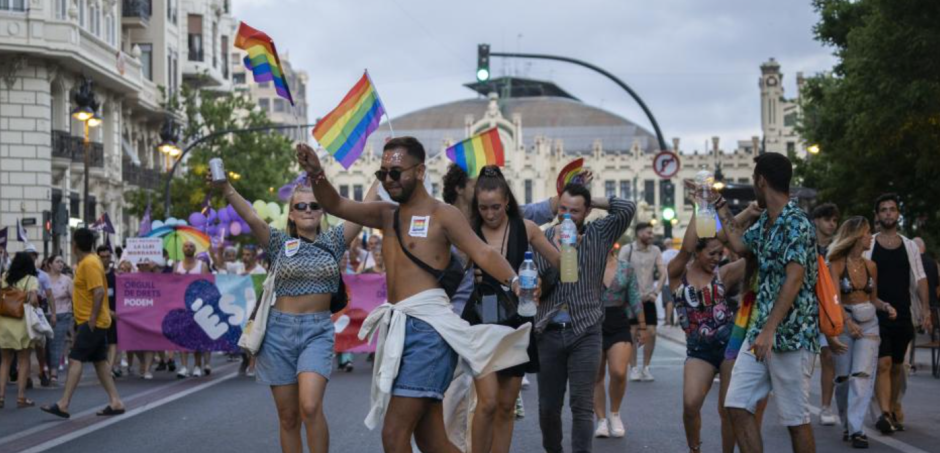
[(782, 340)]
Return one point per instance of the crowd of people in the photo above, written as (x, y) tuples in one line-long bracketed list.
[(448, 368)]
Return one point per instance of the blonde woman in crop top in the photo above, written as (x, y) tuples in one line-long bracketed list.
[(295, 359)]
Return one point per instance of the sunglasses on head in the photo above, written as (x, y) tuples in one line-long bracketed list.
[(395, 173), (303, 206)]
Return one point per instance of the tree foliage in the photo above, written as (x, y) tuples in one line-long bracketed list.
[(263, 160), (876, 117)]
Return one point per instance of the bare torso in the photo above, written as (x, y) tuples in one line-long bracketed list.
[(404, 277)]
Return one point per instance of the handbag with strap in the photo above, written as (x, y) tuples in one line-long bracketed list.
[(449, 278), (253, 333), (12, 301), (830, 311), (506, 305)]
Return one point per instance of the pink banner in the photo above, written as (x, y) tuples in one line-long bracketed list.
[(366, 291)]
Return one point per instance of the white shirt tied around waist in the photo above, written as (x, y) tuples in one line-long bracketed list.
[(482, 349)]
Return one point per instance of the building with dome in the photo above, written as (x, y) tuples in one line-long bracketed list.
[(542, 129)]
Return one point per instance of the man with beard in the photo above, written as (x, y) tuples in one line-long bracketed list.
[(901, 277), (420, 337), (569, 319), (191, 265), (647, 260), (826, 219), (782, 340)]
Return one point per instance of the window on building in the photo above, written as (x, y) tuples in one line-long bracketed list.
[(93, 24), (280, 105), (344, 191), (435, 189), (109, 29), (528, 191), (791, 149), (264, 84), (626, 191), (744, 180), (224, 52), (194, 39), (264, 104), (238, 79), (357, 192), (215, 40), (146, 60), (82, 9), (610, 189), (61, 9), (649, 192), (13, 5), (171, 11)]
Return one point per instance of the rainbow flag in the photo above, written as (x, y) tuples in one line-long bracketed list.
[(477, 152), (262, 59), (741, 322), (343, 132), (569, 173)]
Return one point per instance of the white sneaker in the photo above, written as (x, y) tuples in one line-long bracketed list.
[(646, 375), (525, 382), (602, 429), (635, 374), (148, 376), (827, 417), (616, 425), (182, 373), (250, 373), (197, 372)]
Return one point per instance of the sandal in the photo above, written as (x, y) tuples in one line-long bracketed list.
[(107, 412), (54, 410), (22, 403)]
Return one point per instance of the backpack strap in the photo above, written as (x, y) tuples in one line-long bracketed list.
[(437, 273)]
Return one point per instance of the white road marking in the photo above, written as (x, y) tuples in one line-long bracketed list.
[(131, 413)]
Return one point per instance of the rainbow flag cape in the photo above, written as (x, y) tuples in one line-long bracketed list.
[(741, 321), (262, 59), (343, 132), (569, 173), (477, 152)]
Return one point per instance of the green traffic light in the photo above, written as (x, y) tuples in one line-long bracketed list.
[(483, 74), (669, 214)]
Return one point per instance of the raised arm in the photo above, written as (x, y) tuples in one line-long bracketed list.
[(733, 229), (369, 214), (351, 230), (541, 244), (678, 264), (619, 215), (487, 258), (259, 229)]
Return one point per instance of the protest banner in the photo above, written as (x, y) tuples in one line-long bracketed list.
[(139, 248), (366, 291)]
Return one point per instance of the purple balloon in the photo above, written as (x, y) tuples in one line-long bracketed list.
[(196, 219), (213, 216), (223, 216), (233, 214), (235, 228), (245, 228), (212, 230)]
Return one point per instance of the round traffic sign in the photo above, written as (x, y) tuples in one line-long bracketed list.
[(666, 164)]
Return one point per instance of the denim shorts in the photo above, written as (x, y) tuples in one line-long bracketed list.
[(294, 344), (427, 363)]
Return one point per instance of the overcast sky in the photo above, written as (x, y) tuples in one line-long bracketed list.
[(695, 63)]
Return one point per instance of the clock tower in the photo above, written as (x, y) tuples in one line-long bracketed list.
[(771, 95)]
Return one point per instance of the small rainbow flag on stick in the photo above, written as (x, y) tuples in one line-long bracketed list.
[(569, 174), (262, 59), (343, 132), (477, 152)]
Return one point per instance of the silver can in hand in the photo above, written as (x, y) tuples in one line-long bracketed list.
[(217, 170)]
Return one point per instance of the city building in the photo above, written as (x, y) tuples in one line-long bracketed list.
[(278, 109), (543, 128), (131, 52), (779, 115)]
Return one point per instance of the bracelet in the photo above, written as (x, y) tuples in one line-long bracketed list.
[(513, 280)]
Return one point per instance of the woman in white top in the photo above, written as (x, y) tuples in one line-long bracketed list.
[(62, 296)]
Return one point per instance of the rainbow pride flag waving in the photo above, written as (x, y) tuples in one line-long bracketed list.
[(262, 59), (343, 132), (477, 152)]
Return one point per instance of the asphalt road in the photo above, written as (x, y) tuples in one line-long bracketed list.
[(226, 412)]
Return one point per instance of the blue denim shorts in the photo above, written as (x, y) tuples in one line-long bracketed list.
[(294, 344), (427, 363)]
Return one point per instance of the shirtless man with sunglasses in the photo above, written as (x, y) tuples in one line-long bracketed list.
[(433, 336)]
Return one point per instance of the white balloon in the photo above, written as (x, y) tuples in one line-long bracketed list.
[(274, 210)]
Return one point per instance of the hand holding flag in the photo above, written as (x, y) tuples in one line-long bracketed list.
[(343, 132)]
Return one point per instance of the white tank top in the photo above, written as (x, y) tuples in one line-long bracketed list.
[(197, 269)]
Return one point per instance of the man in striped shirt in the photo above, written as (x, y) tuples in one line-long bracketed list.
[(569, 319)]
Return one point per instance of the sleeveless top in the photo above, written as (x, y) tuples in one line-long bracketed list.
[(706, 315), (516, 246), (195, 270)]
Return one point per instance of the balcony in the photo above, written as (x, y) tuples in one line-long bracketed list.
[(145, 178), (136, 13), (71, 148)]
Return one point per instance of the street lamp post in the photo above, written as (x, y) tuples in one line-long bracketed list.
[(86, 107)]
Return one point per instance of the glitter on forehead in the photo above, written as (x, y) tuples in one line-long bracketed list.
[(394, 157)]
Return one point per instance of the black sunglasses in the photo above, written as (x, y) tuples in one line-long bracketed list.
[(303, 206), (395, 173)]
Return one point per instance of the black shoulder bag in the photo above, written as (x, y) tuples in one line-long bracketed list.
[(340, 298), (449, 278)]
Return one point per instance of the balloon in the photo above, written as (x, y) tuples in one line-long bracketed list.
[(261, 208), (274, 210), (197, 219), (156, 224), (245, 228), (235, 228), (212, 230), (232, 213), (223, 216)]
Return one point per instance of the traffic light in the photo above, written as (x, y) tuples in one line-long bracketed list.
[(483, 62), (46, 226), (667, 197), (60, 223)]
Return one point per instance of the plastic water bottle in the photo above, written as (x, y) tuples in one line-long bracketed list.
[(705, 224), (528, 281), (569, 250)]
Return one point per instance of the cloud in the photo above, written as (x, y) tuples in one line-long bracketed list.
[(696, 64)]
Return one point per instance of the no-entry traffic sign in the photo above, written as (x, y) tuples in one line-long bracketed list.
[(666, 164)]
